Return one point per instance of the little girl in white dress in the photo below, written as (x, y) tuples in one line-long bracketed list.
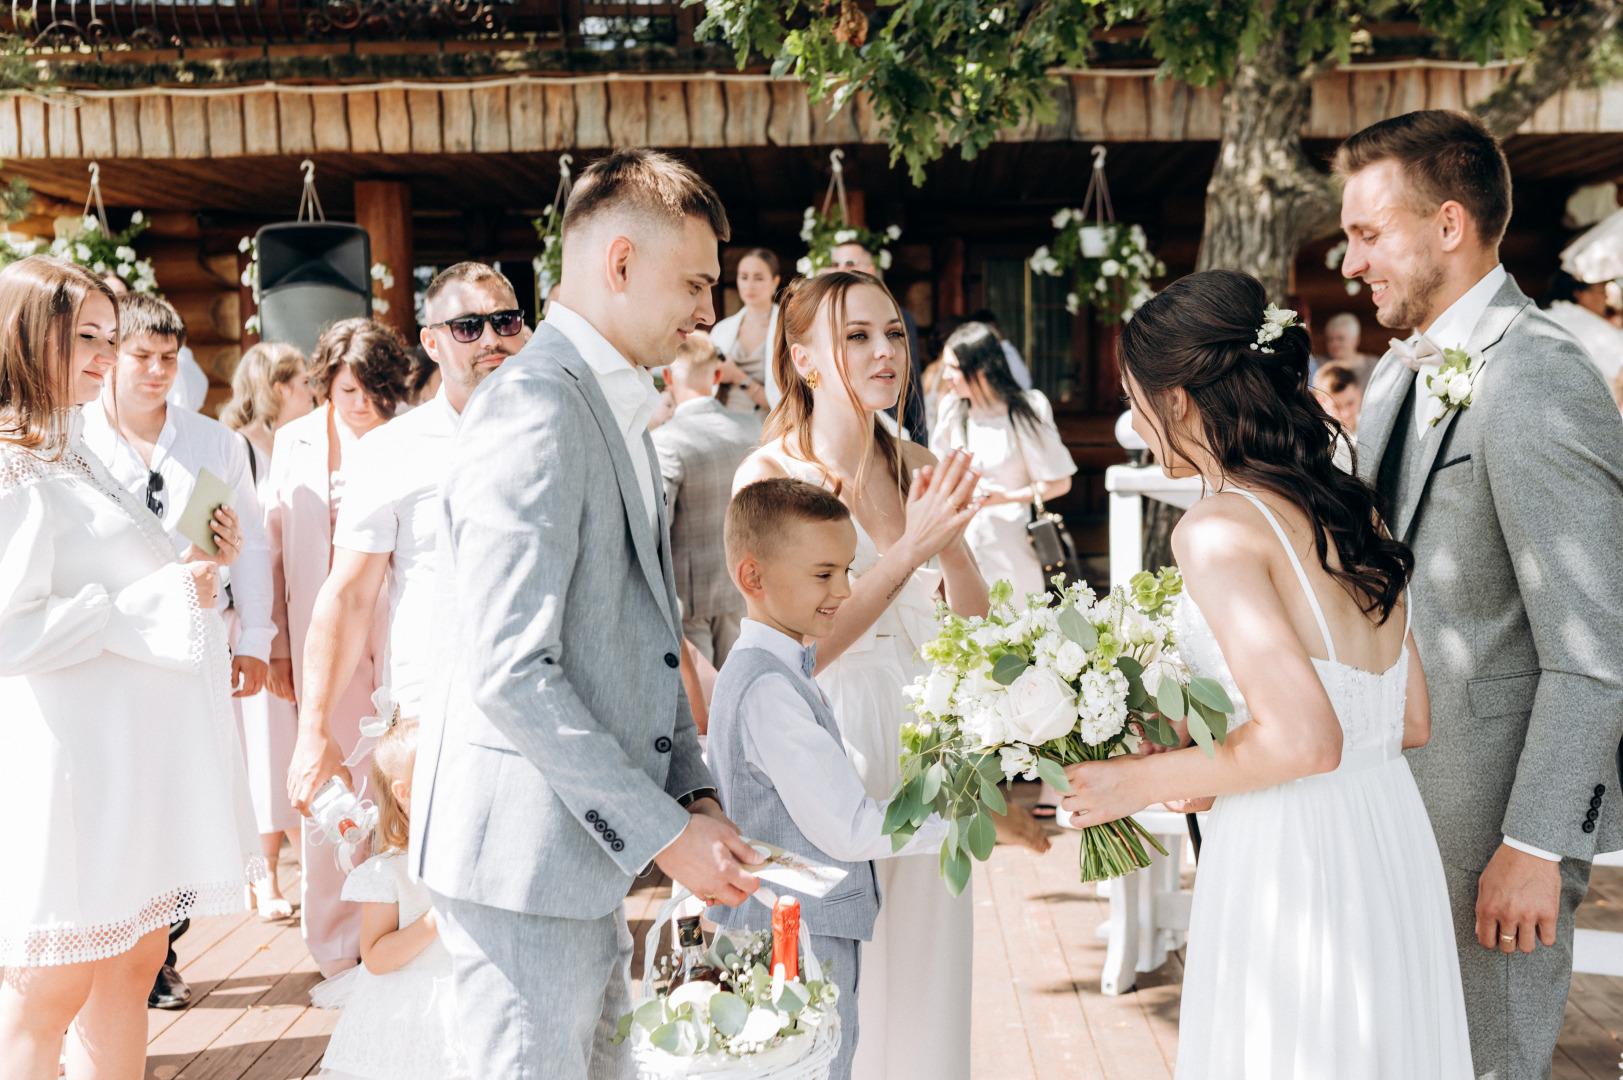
[(399, 1016)]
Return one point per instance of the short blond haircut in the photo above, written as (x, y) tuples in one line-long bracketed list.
[(696, 351), (392, 759), (758, 513)]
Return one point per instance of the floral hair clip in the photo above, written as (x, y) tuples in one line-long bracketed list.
[(1275, 321)]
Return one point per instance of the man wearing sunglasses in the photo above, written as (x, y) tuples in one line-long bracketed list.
[(387, 520)]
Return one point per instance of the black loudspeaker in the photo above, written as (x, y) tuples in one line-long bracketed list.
[(311, 275)]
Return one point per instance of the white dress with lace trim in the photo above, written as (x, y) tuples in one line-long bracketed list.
[(914, 1007), (1320, 941), (121, 776)]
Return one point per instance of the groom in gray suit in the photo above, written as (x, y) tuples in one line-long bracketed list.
[(562, 758), (1510, 490)]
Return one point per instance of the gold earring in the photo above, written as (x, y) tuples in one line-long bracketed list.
[(811, 380)]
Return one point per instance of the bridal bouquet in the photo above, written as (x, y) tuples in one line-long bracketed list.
[(1073, 678)]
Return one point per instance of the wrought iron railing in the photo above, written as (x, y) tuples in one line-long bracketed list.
[(182, 24)]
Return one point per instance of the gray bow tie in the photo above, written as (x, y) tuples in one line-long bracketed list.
[(808, 661), (1418, 353)]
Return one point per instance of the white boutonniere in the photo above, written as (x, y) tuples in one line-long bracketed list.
[(1450, 388)]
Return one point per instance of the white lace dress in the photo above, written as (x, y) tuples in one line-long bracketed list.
[(1320, 943), (402, 1025), (121, 777)]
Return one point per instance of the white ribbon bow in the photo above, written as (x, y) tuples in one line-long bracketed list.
[(385, 715), (1417, 353)]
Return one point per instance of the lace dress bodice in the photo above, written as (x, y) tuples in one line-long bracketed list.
[(1369, 705)]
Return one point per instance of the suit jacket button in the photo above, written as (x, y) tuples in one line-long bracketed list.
[(1600, 789), (671, 661), (608, 835), (662, 744), (1592, 815), (1589, 826), (591, 815), (600, 825), (1594, 804), (618, 845)]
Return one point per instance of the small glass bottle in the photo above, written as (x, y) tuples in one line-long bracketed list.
[(690, 965)]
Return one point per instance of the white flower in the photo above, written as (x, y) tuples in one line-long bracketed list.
[(90, 224), (803, 266), (1103, 706), (987, 636), (248, 277), (1041, 707), (1459, 386), (1155, 671), (1018, 761), (884, 259), (82, 252), (811, 214), (1063, 218), (761, 1025), (379, 271), (1137, 233), (100, 267), (699, 993), (845, 236), (1130, 742), (1073, 303), (986, 721), (1110, 268), (1275, 320), (125, 270), (1433, 409), (380, 306), (125, 252), (1136, 627), (137, 217), (245, 244), (894, 232), (938, 689), (1070, 659)]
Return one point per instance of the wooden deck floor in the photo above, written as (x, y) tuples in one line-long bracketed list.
[(1038, 1011)]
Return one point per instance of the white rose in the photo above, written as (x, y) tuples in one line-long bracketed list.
[(1041, 707), (1136, 627), (803, 266), (987, 722), (1110, 268), (1433, 409), (938, 688), (1062, 219), (1070, 658), (1154, 672), (245, 244), (845, 236), (137, 217), (1459, 386), (884, 260), (82, 251), (987, 636), (1017, 761), (894, 232)]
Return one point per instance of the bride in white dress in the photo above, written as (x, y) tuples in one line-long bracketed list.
[(1320, 943), (841, 357)]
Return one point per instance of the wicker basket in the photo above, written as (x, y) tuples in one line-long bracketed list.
[(804, 1058)]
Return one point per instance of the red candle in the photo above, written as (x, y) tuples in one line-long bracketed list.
[(786, 937)]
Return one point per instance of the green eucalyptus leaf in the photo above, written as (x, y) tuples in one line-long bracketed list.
[(650, 1014), (794, 998), (1075, 626), (1051, 771), (951, 843), (679, 1037), (1129, 667), (933, 777), (1216, 719), (956, 871), (1211, 694), (1169, 699), (1201, 733), (1008, 668), (1137, 697), (982, 836), (622, 1030), (992, 797)]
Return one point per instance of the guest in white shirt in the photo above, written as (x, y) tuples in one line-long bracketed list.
[(190, 390), (155, 452), (1581, 308), (386, 523)]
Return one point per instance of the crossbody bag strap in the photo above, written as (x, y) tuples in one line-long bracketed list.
[(1037, 509)]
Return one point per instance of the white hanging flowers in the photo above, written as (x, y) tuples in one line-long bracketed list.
[(822, 233), (1275, 321), (104, 252), (382, 281), (1110, 265)]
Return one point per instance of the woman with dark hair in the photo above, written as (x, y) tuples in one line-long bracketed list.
[(1010, 432), (125, 797), (745, 337), (1321, 930), (359, 370)]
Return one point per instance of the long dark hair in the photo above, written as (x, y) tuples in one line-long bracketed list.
[(979, 351), (1260, 420)]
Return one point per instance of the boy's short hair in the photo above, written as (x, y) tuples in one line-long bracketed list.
[(142, 314), (696, 350), (648, 183), (759, 511), (1334, 378)]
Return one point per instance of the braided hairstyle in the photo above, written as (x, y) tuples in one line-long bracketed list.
[(1260, 420)]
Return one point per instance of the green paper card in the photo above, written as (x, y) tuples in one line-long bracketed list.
[(209, 494)]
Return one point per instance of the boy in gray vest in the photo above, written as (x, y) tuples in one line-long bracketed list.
[(774, 747)]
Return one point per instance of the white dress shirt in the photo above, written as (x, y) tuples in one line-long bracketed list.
[(816, 781), (1452, 330), (390, 506), (1454, 327), (628, 387), (188, 442)]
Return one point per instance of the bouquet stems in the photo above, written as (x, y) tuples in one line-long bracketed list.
[(1113, 850)]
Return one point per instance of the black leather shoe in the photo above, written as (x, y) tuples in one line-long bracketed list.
[(169, 991)]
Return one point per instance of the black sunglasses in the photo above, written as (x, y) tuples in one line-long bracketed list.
[(155, 492), (468, 328)]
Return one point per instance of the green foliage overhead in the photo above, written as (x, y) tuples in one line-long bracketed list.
[(955, 72)]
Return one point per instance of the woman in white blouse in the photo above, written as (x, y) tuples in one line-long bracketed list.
[(1011, 434), (121, 777), (745, 338)]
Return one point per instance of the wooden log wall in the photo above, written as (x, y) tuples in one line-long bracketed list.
[(538, 114)]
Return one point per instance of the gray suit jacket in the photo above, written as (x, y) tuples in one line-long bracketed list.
[(559, 737), (1514, 507), (700, 448)]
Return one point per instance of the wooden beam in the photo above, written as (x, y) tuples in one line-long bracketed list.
[(260, 126), (1205, 113), (330, 123), (1168, 109), (31, 118), (1372, 98), (394, 122), (491, 134), (707, 113), (1127, 114), (668, 114), (62, 130), (363, 122), (157, 137), (790, 120), (628, 113), (748, 105), (10, 131), (1330, 115), (526, 117), (225, 125), (423, 106), (383, 209), (1089, 95), (456, 114), (190, 124), (560, 113), (298, 123), (591, 116)]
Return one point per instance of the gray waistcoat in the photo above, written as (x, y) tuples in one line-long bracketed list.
[(752, 801)]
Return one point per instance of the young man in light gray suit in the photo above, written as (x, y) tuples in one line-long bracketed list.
[(562, 758), (700, 448), (1513, 503)]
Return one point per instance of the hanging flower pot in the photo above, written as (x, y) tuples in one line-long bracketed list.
[(1109, 264), (1095, 241), (823, 231)]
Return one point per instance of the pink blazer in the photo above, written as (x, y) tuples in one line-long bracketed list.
[(298, 528)]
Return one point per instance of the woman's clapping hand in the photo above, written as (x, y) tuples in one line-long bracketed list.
[(940, 505)]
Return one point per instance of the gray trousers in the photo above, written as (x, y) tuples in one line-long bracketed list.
[(713, 635), (842, 960), (538, 997), (1514, 1002)]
